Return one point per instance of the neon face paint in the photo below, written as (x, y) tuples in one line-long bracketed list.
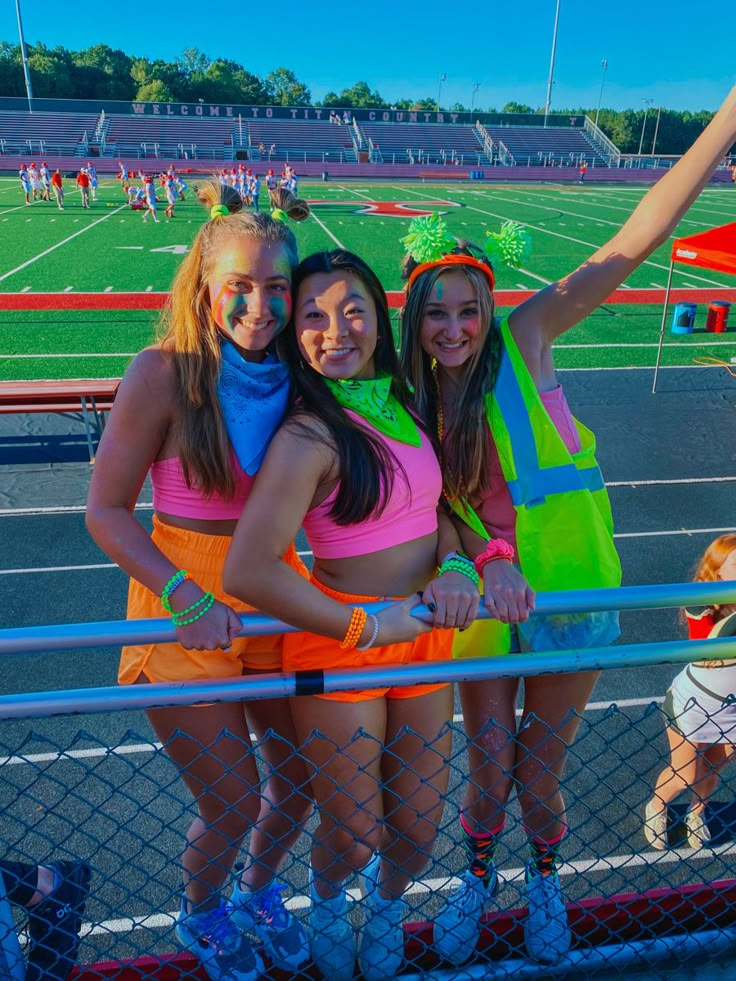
[(438, 289)]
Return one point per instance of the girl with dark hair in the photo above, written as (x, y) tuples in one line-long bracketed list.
[(197, 411), (521, 473), (352, 465)]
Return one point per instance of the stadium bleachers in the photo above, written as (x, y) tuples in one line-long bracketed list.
[(535, 145), (424, 143), (178, 138), (300, 141), (46, 132)]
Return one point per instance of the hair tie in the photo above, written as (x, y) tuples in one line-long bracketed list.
[(219, 211), (278, 214)]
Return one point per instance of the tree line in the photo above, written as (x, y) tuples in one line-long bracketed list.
[(105, 73)]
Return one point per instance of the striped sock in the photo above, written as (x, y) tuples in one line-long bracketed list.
[(544, 854), (480, 848)]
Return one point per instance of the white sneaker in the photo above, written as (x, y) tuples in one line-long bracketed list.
[(655, 825), (698, 833)]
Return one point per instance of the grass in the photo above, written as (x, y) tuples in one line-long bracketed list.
[(109, 249)]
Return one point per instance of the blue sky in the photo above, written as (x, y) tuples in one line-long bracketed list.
[(670, 53)]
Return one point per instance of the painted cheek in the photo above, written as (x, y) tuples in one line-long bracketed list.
[(280, 310), (226, 305)]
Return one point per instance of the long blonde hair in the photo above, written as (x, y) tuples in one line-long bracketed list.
[(465, 452), (189, 332), (711, 561)]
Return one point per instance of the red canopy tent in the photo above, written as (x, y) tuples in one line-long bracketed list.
[(714, 249)]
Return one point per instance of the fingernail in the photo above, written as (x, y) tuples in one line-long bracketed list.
[(432, 607)]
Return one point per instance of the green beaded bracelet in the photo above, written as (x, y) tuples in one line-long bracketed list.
[(190, 609), (464, 568), (209, 600), (176, 580)]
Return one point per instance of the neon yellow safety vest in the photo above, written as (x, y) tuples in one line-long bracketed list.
[(564, 526)]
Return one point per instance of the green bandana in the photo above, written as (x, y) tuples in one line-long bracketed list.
[(373, 399)]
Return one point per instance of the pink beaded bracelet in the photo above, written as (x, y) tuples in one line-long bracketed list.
[(496, 548)]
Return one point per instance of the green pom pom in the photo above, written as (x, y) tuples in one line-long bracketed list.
[(429, 239), (509, 247)]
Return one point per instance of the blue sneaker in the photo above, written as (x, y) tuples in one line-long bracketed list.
[(382, 938), (11, 959), (332, 937), (457, 925), (225, 953), (546, 930), (55, 922), (283, 937)]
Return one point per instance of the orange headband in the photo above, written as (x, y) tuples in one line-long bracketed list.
[(452, 260)]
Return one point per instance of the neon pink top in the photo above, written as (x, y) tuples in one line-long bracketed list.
[(495, 508), (411, 510), (172, 496)]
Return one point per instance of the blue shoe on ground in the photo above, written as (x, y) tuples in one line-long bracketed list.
[(382, 937), (55, 922), (332, 937), (11, 959), (224, 952), (546, 930), (457, 925), (263, 912)]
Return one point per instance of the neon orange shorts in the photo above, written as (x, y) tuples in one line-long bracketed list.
[(204, 557), (305, 651)]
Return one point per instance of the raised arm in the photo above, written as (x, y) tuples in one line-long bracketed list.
[(565, 303)]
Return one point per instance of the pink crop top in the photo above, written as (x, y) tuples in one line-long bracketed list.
[(172, 496), (411, 511), (495, 508)]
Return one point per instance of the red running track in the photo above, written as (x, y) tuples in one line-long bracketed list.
[(155, 301)]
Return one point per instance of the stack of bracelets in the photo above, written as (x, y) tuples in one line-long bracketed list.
[(358, 620), (496, 548), (457, 562), (193, 612)]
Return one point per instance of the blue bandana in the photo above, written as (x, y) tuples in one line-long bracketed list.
[(253, 398)]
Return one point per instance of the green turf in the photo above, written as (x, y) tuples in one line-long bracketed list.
[(109, 248)]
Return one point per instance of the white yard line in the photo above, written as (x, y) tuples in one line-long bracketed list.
[(58, 245), (324, 227)]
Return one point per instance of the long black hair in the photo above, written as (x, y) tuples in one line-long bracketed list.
[(367, 468)]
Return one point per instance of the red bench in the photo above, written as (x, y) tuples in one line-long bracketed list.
[(84, 399)]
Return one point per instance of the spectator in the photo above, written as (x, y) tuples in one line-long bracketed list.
[(701, 709), (378, 758), (198, 411), (53, 897), (504, 478), (583, 170)]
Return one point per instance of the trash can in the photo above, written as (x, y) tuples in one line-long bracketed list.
[(717, 319), (683, 320), (325, 175)]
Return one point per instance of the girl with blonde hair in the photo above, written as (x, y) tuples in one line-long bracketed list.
[(197, 412)]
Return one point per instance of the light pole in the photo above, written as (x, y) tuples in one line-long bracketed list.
[(443, 78), (550, 80), (476, 86), (647, 104), (24, 58), (604, 68), (656, 130)]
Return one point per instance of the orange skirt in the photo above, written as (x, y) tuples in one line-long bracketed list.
[(305, 651), (204, 557)]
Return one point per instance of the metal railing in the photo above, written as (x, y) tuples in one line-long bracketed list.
[(110, 796)]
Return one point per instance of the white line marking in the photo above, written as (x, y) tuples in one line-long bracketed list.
[(131, 749), (58, 568), (59, 244), (664, 483), (95, 354), (627, 344), (605, 864), (324, 227)]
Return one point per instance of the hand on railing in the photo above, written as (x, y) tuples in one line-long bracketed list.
[(507, 595)]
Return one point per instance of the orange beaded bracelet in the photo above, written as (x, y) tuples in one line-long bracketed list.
[(358, 620)]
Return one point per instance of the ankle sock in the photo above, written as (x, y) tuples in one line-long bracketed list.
[(544, 854), (480, 848)]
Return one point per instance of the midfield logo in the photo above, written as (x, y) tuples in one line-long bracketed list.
[(392, 209)]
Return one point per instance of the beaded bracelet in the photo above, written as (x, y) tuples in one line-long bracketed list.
[(208, 599), (374, 635), (497, 548), (358, 620), (190, 609), (466, 569), (176, 580)]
